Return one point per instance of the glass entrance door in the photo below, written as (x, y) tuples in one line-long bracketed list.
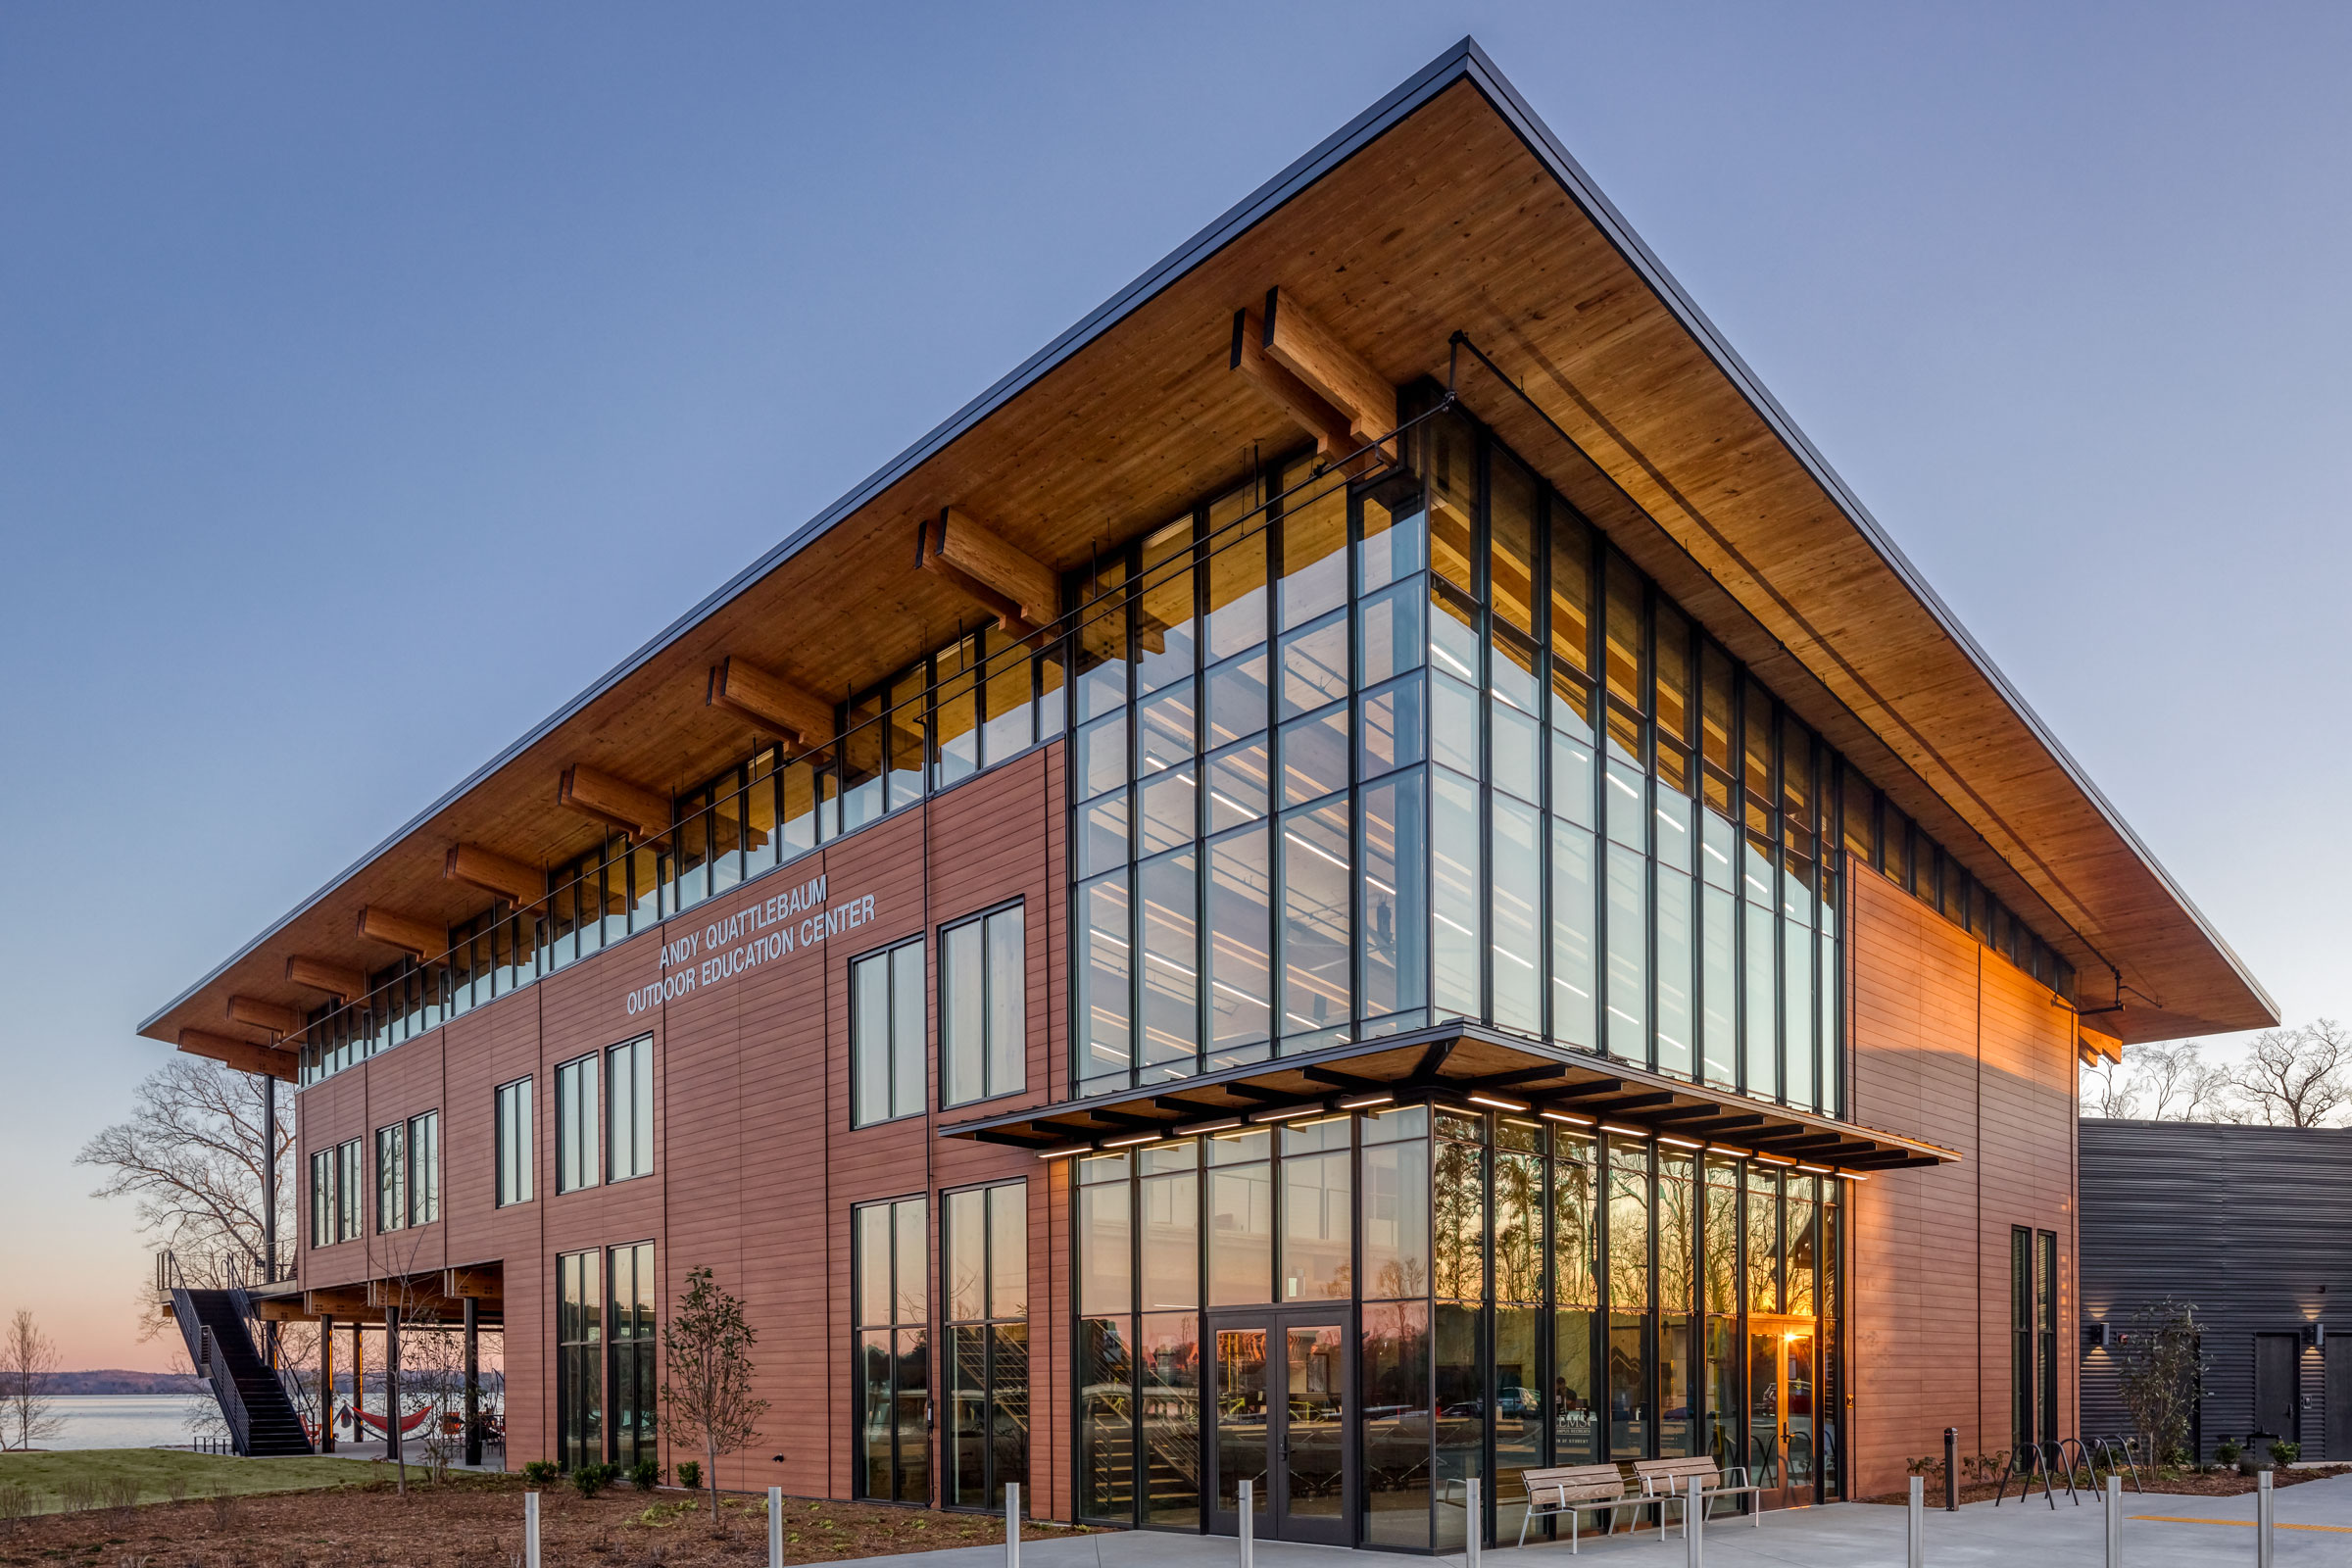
[(1780, 1390), (1280, 1390)]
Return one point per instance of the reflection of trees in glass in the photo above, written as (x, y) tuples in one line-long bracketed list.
[(1572, 1232), (1629, 1229), (1518, 1227), (1763, 1243), (1720, 1238), (1676, 1221), (1459, 1209), (1800, 1256)]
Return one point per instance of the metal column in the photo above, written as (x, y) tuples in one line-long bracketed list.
[(474, 1383)]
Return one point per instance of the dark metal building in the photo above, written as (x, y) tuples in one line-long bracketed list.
[(2254, 1226)]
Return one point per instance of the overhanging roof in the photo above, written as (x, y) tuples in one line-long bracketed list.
[(1451, 1064), (1445, 205)]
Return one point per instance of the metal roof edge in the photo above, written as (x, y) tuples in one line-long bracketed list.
[(1587, 194), (1417, 89)]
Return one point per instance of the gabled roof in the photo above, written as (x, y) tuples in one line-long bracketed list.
[(1445, 205)]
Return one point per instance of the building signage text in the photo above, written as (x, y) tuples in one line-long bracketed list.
[(756, 933)]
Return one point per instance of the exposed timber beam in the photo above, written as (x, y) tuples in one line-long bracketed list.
[(337, 980), (419, 938), (1317, 415), (243, 1055), (1303, 346), (1022, 592), (279, 1309), (635, 810), (743, 687), (2098, 1044), (493, 872), (341, 1302), (276, 1017)]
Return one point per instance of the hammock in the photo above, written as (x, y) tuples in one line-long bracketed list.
[(408, 1423)]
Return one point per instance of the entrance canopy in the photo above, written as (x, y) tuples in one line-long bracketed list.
[(1464, 1063)]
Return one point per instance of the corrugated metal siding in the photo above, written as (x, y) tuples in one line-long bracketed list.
[(2252, 1224)]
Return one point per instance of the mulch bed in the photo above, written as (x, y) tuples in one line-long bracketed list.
[(473, 1521), (2175, 1483)]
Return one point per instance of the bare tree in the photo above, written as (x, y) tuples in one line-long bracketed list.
[(29, 1361), (190, 1157), (2109, 1090), (2295, 1077), (706, 1345), (2180, 1085)]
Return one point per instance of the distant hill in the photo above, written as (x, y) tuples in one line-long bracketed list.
[(114, 1379)]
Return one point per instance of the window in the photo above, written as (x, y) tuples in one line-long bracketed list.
[(982, 1029), (580, 1358), (392, 1176), (576, 1125), (886, 1032), (629, 1120), (986, 1243), (335, 1193), (425, 1168), (633, 1291), (2021, 1337), (891, 1293), (514, 1116)]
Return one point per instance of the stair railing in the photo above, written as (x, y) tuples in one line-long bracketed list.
[(224, 1388), (256, 1329)]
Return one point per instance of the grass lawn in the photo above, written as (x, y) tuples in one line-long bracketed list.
[(167, 1473)]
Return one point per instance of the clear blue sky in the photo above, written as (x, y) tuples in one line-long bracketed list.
[(371, 377)]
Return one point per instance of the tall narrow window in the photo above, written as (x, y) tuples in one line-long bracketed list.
[(513, 1118), (322, 1197), (575, 1124), (579, 1357), (633, 1291), (2021, 1337), (392, 1177), (350, 1193), (425, 1168), (890, 1287), (987, 1367), (629, 1120), (982, 1011), (2045, 1323), (886, 1034)]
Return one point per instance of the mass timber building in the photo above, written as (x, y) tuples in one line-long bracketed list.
[(1365, 874)]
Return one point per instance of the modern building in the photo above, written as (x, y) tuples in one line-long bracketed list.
[(2252, 1226), (1366, 873)]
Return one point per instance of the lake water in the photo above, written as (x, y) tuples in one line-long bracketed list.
[(121, 1420)]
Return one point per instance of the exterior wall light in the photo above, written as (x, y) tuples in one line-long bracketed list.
[(2315, 1336), (2094, 1336)]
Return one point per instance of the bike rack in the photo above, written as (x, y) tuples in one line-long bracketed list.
[(2024, 1465), (2113, 1449)]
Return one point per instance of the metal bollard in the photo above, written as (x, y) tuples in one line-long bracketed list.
[(2115, 1521), (2266, 1502), (1248, 1524), (1918, 1522), (1012, 1524), (530, 1530), (1694, 1527), (1473, 1524), (775, 1527), (1951, 1469)]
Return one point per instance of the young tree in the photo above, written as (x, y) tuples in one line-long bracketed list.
[(2161, 1373), (190, 1157), (707, 1351), (29, 1361), (2296, 1077)]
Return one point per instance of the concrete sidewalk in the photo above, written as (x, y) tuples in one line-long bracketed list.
[(2159, 1532)]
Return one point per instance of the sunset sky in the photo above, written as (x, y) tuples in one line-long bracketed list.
[(371, 379)]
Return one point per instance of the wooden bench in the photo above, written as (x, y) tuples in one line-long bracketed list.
[(1668, 1481), (1566, 1488)]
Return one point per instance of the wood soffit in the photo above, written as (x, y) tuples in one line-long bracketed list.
[(1447, 206)]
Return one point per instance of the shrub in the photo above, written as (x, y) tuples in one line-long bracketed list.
[(2227, 1449), (2176, 1456), (690, 1474), (2286, 1452), (590, 1479), (646, 1473), (539, 1473)]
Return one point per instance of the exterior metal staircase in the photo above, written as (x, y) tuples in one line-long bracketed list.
[(260, 1405)]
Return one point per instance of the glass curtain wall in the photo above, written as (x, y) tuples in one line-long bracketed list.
[(892, 1291), (1524, 1291), (986, 1237)]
